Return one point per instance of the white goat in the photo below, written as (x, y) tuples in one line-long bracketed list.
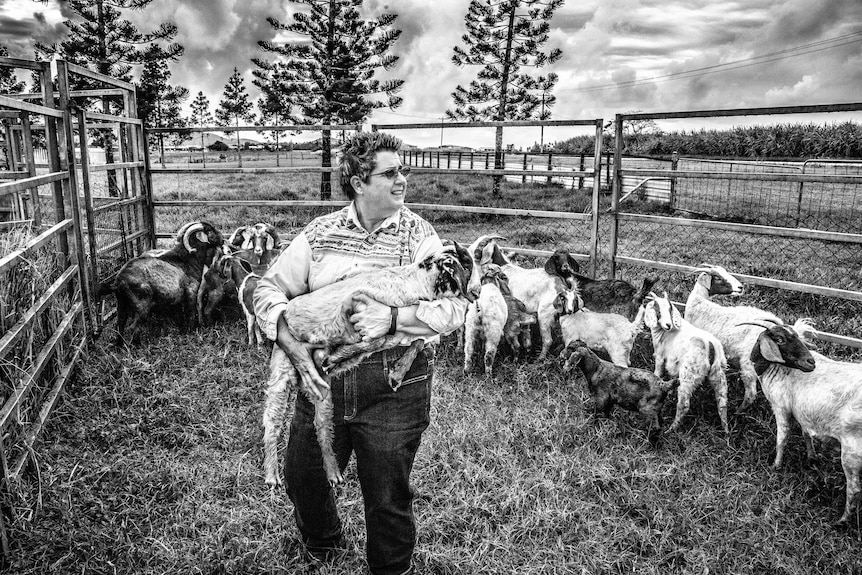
[(610, 332), (823, 395), (687, 352), (536, 287), (724, 322), (216, 280), (322, 317), (487, 319)]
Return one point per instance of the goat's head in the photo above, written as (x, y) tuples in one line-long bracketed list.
[(448, 274), (568, 301), (718, 280), (199, 235), (216, 281), (573, 354), (242, 238), (265, 238), (483, 251), (660, 312), (780, 344), (561, 264), (494, 275)]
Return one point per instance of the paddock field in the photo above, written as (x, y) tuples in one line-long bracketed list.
[(152, 463)]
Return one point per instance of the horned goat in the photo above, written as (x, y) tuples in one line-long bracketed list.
[(322, 317), (610, 332), (536, 287), (629, 387), (258, 244), (724, 322), (686, 352), (823, 395), (495, 315), (167, 279)]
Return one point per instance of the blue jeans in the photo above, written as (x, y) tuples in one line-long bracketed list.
[(383, 426)]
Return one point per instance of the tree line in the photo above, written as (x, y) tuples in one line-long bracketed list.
[(780, 141), (327, 71)]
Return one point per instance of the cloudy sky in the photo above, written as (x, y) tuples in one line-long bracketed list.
[(618, 55)]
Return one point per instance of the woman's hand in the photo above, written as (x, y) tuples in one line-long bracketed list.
[(300, 355), (370, 318)]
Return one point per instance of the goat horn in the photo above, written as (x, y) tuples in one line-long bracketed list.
[(758, 323), (182, 231), (484, 240), (195, 227), (232, 238)]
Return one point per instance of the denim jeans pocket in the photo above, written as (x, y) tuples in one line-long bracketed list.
[(421, 370)]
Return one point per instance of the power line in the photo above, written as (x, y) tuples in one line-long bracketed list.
[(801, 50)]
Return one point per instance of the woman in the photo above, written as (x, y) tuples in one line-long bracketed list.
[(381, 425)]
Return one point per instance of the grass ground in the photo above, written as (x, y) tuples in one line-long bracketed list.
[(152, 464)]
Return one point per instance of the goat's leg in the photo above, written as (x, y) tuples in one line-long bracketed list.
[(719, 386), (323, 412), (851, 461), (402, 366), (493, 333), (547, 315), (810, 454), (782, 426), (471, 335), (749, 381), (281, 373), (347, 356), (687, 385)]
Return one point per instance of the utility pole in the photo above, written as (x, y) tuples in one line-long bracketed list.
[(441, 130), (542, 128)]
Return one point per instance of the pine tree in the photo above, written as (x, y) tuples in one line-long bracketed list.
[(9, 83), (329, 73), (201, 117), (503, 37), (102, 40), (159, 103), (275, 105), (234, 106)]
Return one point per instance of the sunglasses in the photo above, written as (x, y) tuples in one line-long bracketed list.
[(392, 173)]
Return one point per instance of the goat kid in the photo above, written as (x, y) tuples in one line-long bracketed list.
[(231, 273), (154, 281), (535, 287), (686, 352), (824, 396), (629, 387), (493, 316), (322, 317), (725, 323), (609, 332)]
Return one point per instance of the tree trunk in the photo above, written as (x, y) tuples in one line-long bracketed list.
[(107, 136), (326, 162), (501, 111)]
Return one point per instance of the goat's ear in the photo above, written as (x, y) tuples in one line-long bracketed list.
[(246, 265), (676, 317), (769, 350), (650, 317), (497, 256), (248, 239)]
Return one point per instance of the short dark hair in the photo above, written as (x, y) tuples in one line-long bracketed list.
[(357, 156)]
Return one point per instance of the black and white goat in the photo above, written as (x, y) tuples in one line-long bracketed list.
[(231, 273), (536, 287), (322, 317), (629, 387), (686, 352), (164, 280), (257, 244), (823, 395), (726, 322)]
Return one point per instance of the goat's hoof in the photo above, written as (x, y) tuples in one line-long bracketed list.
[(334, 479)]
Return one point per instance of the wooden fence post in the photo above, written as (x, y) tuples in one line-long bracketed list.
[(459, 160), (471, 160), (524, 176), (486, 160), (581, 179), (550, 166), (674, 162)]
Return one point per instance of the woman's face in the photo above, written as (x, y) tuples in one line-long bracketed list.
[(384, 191)]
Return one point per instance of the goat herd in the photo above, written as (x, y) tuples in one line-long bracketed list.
[(823, 395)]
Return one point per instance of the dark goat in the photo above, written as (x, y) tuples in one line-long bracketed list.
[(169, 279), (230, 274), (629, 387), (613, 295)]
